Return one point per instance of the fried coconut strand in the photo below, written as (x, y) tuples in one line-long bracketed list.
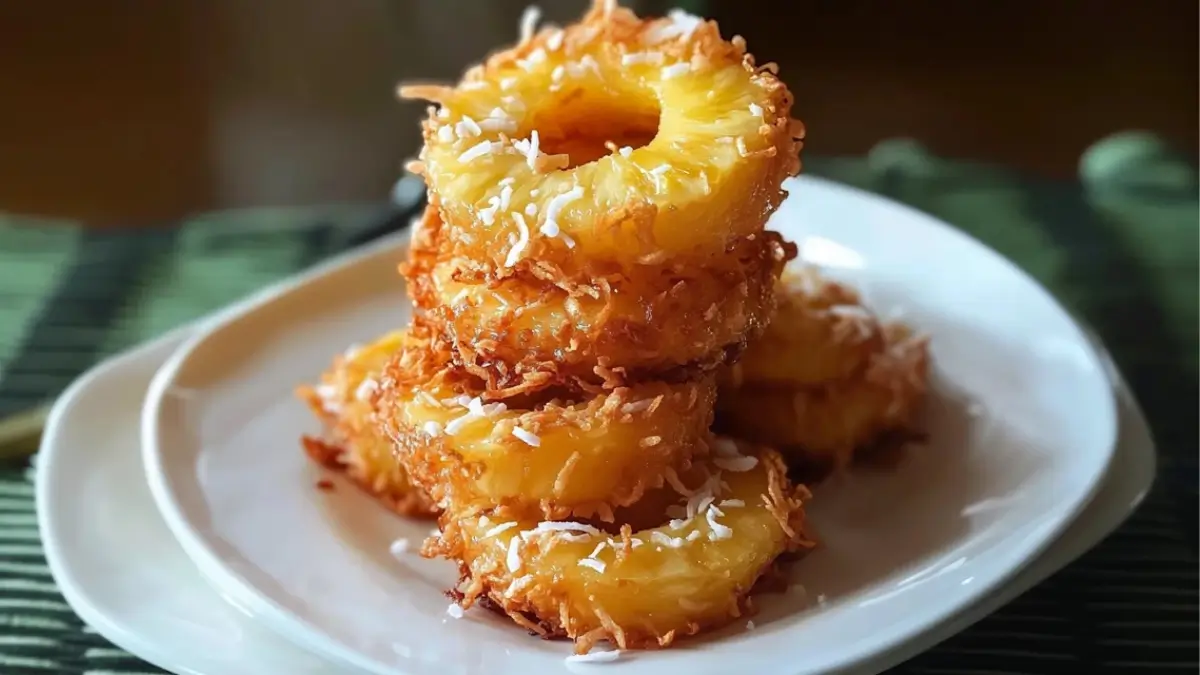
[(353, 442), (827, 380), (676, 563)]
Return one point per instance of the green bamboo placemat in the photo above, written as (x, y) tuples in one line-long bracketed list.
[(1119, 246)]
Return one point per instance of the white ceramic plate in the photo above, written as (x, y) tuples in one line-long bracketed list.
[(123, 573), (110, 552), (901, 551)]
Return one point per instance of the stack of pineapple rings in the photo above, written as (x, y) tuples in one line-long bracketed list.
[(592, 253)]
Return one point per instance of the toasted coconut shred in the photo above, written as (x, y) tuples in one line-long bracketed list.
[(578, 310)]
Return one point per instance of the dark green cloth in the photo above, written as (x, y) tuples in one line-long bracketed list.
[(1119, 246)]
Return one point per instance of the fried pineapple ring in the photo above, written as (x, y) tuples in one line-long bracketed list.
[(820, 332), (514, 329), (821, 427), (674, 573), (533, 155), (554, 457), (353, 442)]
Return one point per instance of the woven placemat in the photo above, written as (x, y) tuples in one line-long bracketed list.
[(1119, 246)]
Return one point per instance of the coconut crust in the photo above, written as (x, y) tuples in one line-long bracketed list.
[(823, 427), (612, 331), (353, 443), (687, 568), (555, 454), (722, 143), (820, 333)]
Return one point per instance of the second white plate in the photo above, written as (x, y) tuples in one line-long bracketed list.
[(1023, 427)]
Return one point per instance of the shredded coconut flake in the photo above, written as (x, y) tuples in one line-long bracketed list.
[(585, 65), (513, 560), (475, 406), (597, 565), (482, 149), (366, 388), (432, 429), (467, 128), (663, 539), (695, 506), (329, 397), (741, 146), (659, 173), (488, 213), (626, 151), (731, 503), (455, 611), (499, 121), (719, 531), (528, 25), (555, 206), (526, 436), (514, 253), (554, 41), (518, 585), (756, 110), (456, 425), (537, 56), (736, 464), (498, 529), (560, 526), (636, 58), (530, 149), (445, 134), (675, 70), (507, 83)]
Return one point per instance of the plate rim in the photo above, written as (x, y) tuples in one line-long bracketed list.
[(47, 510), (301, 631)]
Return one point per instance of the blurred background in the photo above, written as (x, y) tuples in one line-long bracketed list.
[(131, 112)]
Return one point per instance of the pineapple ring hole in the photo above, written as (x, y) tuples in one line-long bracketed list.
[(586, 126)]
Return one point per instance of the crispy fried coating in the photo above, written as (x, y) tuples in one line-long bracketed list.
[(820, 427), (820, 333), (609, 144), (612, 331), (553, 455), (353, 443), (659, 575)]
